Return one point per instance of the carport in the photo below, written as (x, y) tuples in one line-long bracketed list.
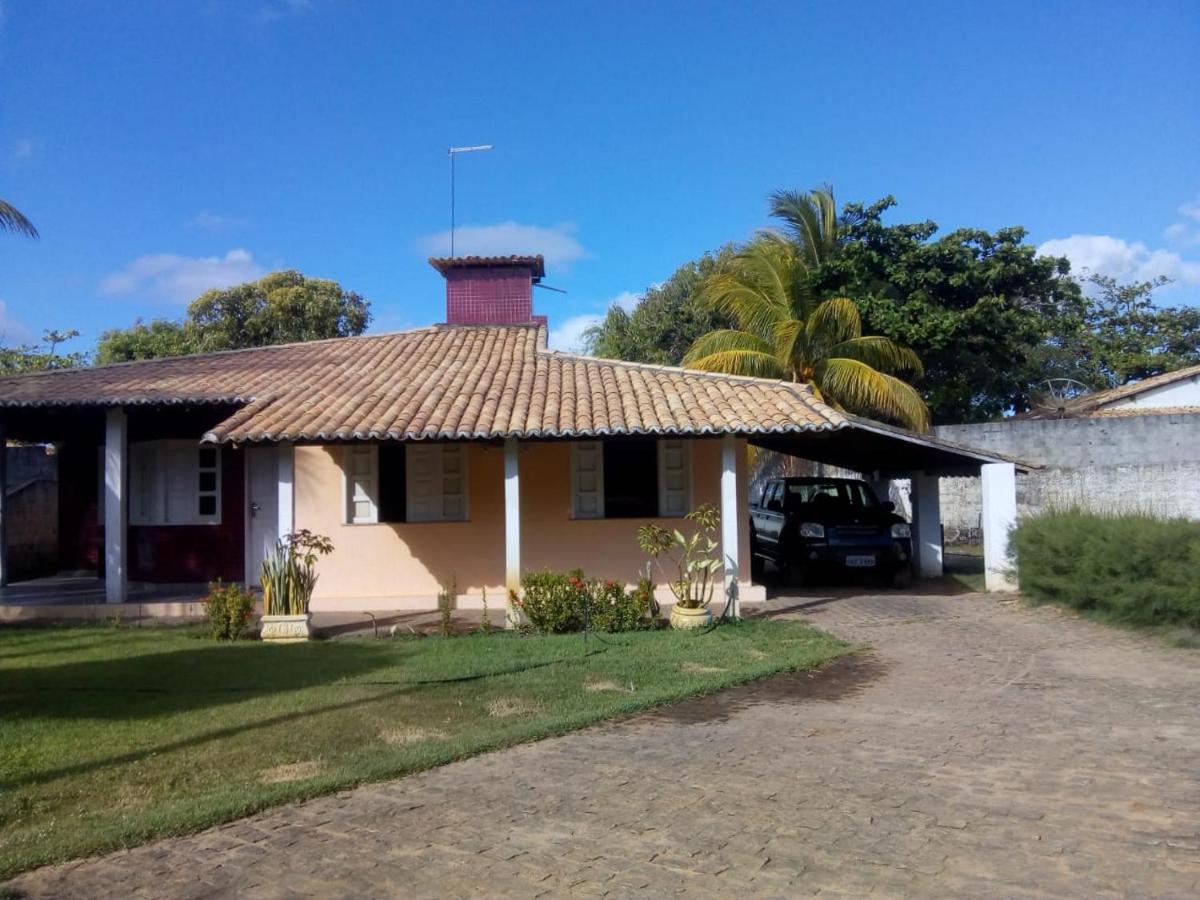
[(882, 453)]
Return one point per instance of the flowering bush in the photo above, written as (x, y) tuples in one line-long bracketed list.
[(615, 609), (557, 602), (229, 608), (553, 601)]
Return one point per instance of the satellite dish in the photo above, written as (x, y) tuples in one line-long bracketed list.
[(1055, 395)]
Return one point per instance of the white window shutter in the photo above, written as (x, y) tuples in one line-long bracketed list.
[(674, 478), (454, 482), (423, 490), (361, 465), (587, 479), (180, 462)]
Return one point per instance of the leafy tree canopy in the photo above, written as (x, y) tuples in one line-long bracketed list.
[(40, 357), (974, 305), (666, 320), (281, 308)]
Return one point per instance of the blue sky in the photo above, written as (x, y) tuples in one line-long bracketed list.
[(165, 147)]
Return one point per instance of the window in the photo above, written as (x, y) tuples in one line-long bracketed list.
[(405, 483), (849, 494), (631, 478), (174, 483)]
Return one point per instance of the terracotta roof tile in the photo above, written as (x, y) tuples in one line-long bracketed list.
[(486, 381)]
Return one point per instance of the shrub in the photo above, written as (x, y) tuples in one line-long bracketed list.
[(615, 609), (692, 556), (553, 601), (1132, 568), (558, 602), (229, 609)]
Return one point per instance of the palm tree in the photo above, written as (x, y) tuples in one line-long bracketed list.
[(811, 218), (785, 332), (11, 219)]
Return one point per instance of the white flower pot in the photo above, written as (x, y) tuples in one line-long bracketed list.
[(286, 629), (690, 618)]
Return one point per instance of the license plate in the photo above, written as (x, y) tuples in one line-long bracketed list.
[(860, 562)]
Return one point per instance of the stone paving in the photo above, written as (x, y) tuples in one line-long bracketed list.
[(979, 749)]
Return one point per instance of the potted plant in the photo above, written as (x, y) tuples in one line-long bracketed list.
[(695, 566), (289, 575)]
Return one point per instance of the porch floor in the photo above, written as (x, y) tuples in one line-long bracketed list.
[(85, 590)]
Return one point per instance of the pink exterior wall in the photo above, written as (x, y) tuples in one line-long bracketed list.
[(481, 296), (389, 566)]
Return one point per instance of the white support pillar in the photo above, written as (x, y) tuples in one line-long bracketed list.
[(512, 529), (926, 526), (286, 476), (3, 506), (999, 481), (730, 520), (116, 575)]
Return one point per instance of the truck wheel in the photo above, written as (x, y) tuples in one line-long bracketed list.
[(901, 578)]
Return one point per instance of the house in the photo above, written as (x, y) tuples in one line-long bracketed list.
[(1133, 448), (464, 452)]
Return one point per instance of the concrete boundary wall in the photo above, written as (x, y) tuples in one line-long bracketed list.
[(1144, 463)]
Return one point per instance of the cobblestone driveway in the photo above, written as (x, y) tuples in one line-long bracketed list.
[(980, 749)]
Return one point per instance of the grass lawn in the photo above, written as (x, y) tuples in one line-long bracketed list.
[(112, 736)]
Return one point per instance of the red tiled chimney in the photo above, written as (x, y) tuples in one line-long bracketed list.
[(490, 290)]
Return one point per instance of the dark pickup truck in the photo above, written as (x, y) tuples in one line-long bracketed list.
[(809, 525)]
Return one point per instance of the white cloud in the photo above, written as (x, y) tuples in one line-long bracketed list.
[(1187, 232), (569, 335), (23, 149), (210, 221), (11, 330), (557, 243), (169, 276), (1121, 259)]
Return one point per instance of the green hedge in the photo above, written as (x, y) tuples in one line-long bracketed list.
[(1132, 568)]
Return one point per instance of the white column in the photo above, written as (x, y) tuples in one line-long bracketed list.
[(116, 573), (999, 482), (926, 526), (512, 529), (3, 506), (286, 476), (730, 520)]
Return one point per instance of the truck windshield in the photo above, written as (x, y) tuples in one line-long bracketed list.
[(852, 494)]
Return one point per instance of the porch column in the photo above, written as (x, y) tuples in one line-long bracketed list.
[(926, 526), (286, 476), (116, 432), (999, 482), (3, 505), (512, 529), (730, 520)]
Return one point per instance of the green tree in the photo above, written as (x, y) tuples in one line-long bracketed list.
[(283, 307), (11, 219), (978, 308), (1123, 335), (147, 340), (785, 330), (666, 320), (40, 357)]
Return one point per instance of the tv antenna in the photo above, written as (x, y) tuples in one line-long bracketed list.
[(454, 151)]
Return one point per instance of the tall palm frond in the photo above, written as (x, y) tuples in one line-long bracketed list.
[(11, 219), (734, 353), (855, 385), (811, 219), (786, 332)]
